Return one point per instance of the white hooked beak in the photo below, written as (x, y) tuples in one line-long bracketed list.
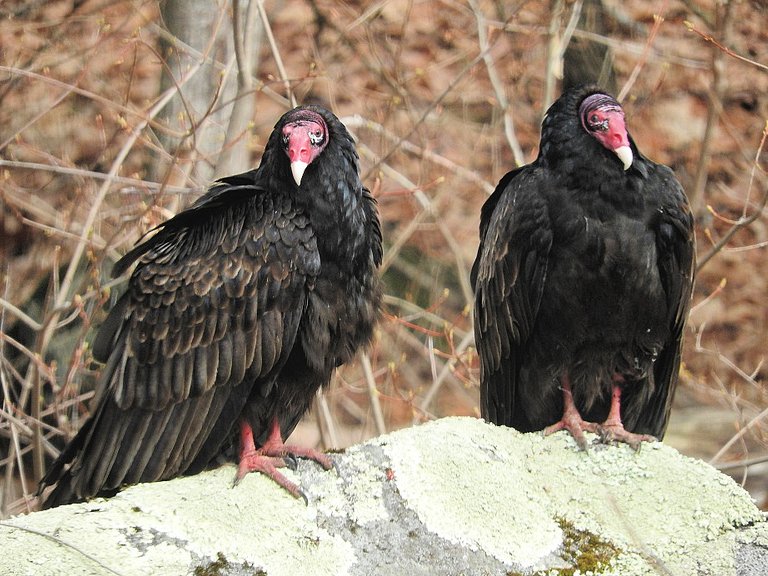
[(298, 167), (625, 155)]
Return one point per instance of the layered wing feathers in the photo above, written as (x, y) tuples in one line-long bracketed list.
[(212, 307), (508, 278), (675, 244), (209, 301)]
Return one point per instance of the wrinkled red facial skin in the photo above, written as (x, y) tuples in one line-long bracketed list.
[(299, 136), (603, 118), (615, 135)]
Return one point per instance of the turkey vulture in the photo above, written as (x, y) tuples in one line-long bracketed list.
[(238, 310), (582, 281)]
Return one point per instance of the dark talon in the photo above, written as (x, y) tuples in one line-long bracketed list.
[(291, 462), (603, 435)]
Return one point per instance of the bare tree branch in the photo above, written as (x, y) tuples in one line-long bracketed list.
[(714, 109), (498, 89), (247, 32)]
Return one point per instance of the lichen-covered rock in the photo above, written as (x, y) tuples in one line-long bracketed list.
[(455, 496)]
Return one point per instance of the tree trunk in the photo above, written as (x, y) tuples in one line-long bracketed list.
[(202, 31)]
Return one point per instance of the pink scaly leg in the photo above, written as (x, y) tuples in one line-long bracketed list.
[(612, 430), (571, 420), (270, 456)]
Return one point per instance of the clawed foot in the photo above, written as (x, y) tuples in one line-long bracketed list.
[(575, 425), (612, 432), (256, 461), (607, 433), (268, 463), (571, 420), (273, 455)]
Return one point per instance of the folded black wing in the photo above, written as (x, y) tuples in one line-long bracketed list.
[(673, 225), (508, 278), (211, 310)]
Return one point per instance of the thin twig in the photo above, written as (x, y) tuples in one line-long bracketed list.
[(498, 89), (111, 104), (714, 109), (19, 313), (373, 394), (358, 121), (325, 417), (744, 463), (743, 222), (276, 54), (428, 207), (658, 19), (62, 543), (421, 313), (37, 116), (750, 379), (7, 400), (554, 55), (711, 296), (71, 171), (736, 437), (432, 105), (437, 382), (570, 28), (711, 39)]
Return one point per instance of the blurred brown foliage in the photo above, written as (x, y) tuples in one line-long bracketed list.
[(444, 96)]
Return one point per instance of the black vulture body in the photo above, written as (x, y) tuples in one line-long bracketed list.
[(237, 312), (583, 281)]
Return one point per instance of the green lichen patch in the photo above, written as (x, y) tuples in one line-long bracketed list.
[(584, 551), (457, 495), (223, 567), (455, 474), (496, 490)]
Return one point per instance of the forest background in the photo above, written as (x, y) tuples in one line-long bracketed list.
[(444, 97)]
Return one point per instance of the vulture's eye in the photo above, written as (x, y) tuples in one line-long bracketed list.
[(597, 124), (316, 137), (286, 139)]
